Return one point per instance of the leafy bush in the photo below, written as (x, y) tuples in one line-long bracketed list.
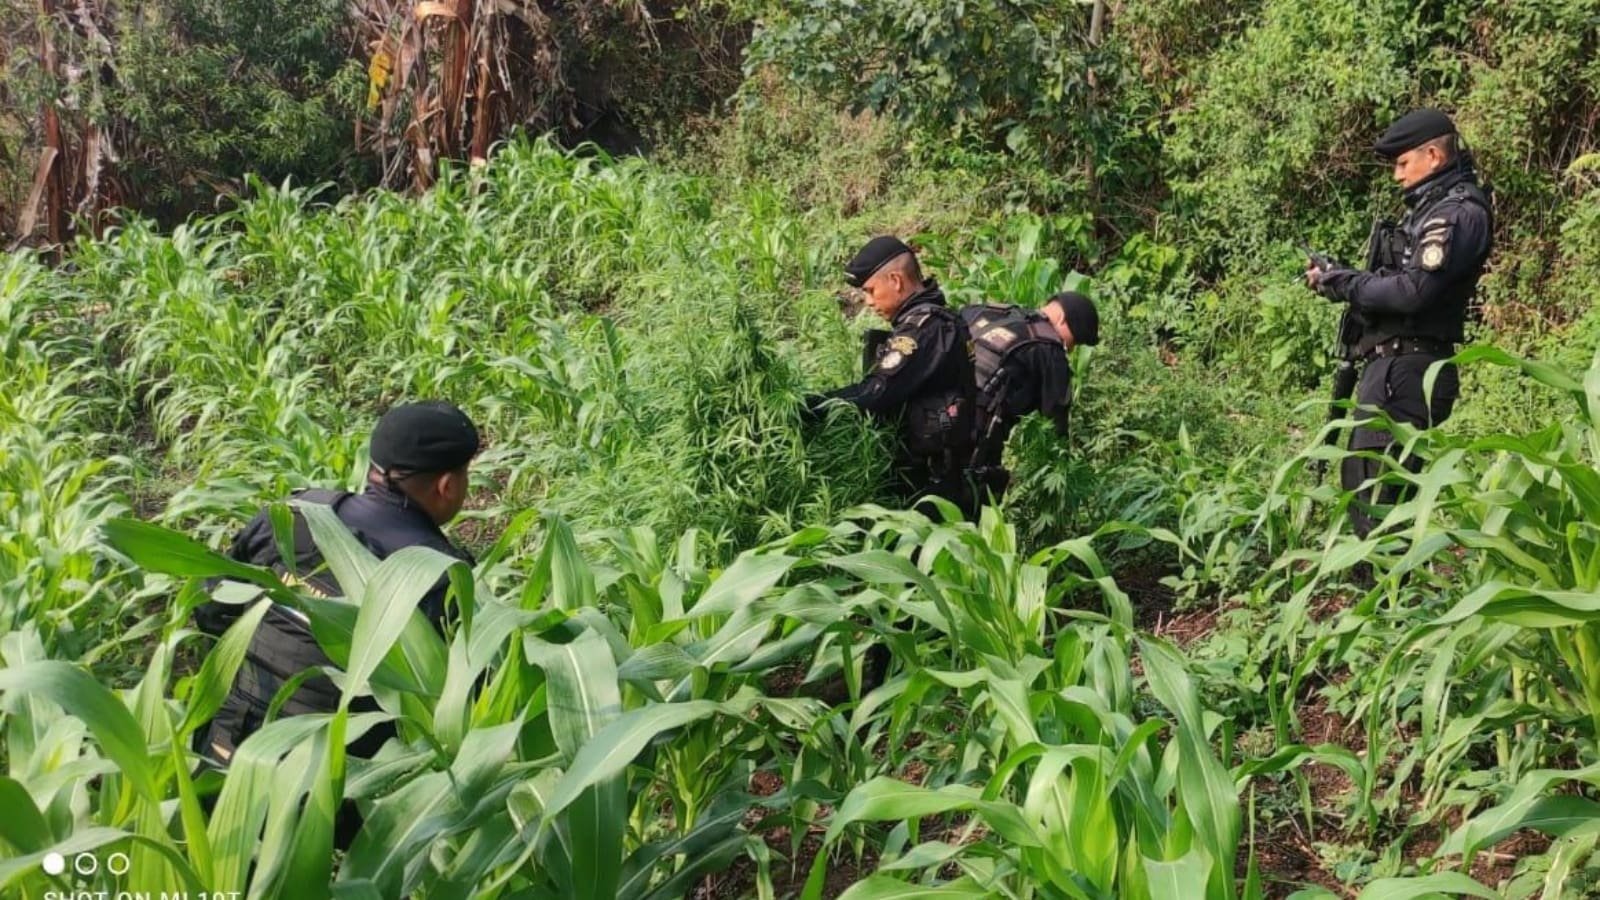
[(1279, 123), (1058, 102)]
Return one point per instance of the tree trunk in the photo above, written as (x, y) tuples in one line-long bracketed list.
[(1097, 24), (55, 191)]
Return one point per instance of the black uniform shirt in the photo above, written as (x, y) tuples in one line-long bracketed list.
[(925, 353), (1042, 382), (1445, 241), (383, 519)]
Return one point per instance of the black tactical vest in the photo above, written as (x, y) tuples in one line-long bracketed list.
[(1393, 248), (997, 333)]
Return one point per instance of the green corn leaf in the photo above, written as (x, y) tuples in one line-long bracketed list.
[(350, 562), (76, 691), (415, 663), (1178, 879), (389, 601), (1528, 607), (742, 583), (310, 862), (881, 568), (923, 856), (221, 665), (615, 746), (241, 807), (889, 799), (656, 662), (584, 698), (572, 580), (1450, 883), (882, 887), (582, 691), (391, 850), (1566, 855), (1542, 372), (1521, 809), (1210, 798), (22, 826), (158, 549), (711, 845)]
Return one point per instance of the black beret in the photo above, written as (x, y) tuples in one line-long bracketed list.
[(1412, 130), (872, 257), (1082, 318), (430, 436)]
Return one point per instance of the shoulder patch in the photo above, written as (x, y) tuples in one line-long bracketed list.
[(1432, 255), (891, 361), (903, 344)]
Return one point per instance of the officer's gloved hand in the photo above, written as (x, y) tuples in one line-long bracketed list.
[(1325, 278)]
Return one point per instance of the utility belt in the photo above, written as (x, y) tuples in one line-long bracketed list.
[(1403, 346)]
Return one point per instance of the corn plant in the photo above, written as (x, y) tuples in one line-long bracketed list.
[(1065, 788)]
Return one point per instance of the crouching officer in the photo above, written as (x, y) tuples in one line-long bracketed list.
[(1411, 308), (919, 374), (417, 482), (1021, 367)]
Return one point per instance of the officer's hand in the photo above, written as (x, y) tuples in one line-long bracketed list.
[(1320, 280)]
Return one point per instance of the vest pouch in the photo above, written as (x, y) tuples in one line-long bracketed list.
[(1395, 247), (939, 425)]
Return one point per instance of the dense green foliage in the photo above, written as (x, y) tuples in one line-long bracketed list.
[(634, 348), (229, 89), (634, 342), (1153, 674)]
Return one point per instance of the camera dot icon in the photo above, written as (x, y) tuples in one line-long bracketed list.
[(54, 864)]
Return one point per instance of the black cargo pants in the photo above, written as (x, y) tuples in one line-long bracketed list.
[(1393, 384)]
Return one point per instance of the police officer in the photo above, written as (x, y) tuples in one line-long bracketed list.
[(919, 374), (1021, 367), (1412, 306), (417, 482)]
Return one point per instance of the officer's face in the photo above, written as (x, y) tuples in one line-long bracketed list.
[(1412, 166), (886, 292), (453, 493), (444, 495)]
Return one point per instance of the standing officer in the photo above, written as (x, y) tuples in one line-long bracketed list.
[(417, 482), (1021, 366), (919, 375), (1411, 307)]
